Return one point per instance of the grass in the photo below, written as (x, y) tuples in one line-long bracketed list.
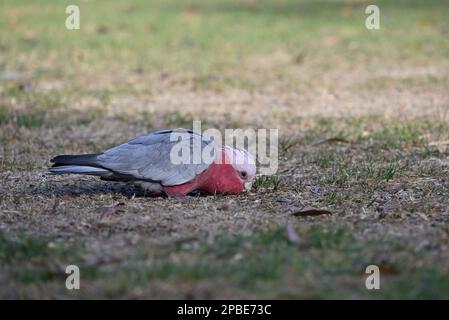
[(195, 29), (265, 259), (40, 259), (21, 249), (268, 182), (363, 126), (286, 144), (344, 173)]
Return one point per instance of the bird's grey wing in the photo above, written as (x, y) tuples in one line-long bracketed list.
[(148, 157)]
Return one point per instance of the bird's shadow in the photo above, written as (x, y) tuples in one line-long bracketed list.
[(50, 189)]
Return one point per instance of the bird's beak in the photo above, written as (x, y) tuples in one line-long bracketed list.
[(248, 185)]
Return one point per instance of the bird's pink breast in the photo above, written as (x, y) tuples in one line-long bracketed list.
[(218, 178), (221, 178)]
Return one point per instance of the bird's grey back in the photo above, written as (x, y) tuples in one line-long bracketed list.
[(147, 157)]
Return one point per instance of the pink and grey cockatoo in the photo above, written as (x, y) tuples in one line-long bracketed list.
[(146, 162)]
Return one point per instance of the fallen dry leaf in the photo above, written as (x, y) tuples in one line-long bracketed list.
[(331, 140), (311, 212), (299, 58)]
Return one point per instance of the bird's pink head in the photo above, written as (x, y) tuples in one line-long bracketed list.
[(232, 171), (242, 162)]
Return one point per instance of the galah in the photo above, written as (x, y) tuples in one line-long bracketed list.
[(147, 161)]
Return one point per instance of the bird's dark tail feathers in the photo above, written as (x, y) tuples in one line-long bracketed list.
[(77, 164)]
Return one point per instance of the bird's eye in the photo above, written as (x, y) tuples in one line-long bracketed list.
[(243, 174)]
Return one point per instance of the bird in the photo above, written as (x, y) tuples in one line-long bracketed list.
[(149, 162)]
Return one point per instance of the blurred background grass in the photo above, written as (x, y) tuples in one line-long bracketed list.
[(204, 37)]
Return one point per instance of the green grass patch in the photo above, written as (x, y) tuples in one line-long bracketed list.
[(267, 259), (326, 258), (21, 248), (401, 135), (37, 260), (31, 120), (267, 182), (212, 37)]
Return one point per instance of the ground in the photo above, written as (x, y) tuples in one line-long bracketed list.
[(364, 134)]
